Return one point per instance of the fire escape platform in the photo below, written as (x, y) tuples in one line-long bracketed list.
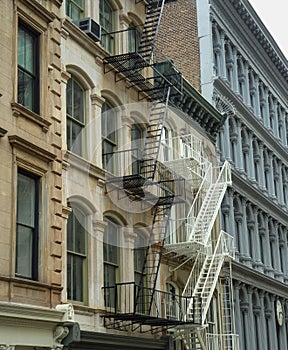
[(189, 249)]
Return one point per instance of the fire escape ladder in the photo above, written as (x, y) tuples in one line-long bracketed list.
[(150, 30), (155, 127), (210, 207), (151, 264)]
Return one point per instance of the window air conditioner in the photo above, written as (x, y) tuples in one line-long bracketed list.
[(90, 27)]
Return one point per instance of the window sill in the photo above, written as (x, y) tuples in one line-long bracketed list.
[(2, 132), (21, 111)]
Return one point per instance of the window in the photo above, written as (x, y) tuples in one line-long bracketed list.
[(134, 37), (140, 247), (27, 226), (76, 257), (75, 109), (109, 141), (75, 9), (107, 25), (111, 262), (166, 144), (137, 147), (173, 307), (28, 68)]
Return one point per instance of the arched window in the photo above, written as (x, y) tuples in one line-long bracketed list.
[(75, 9), (106, 16), (77, 257), (75, 111), (111, 256), (109, 136)]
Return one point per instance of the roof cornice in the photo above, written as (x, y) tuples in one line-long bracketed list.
[(260, 33)]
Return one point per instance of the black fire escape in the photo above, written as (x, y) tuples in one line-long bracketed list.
[(140, 301)]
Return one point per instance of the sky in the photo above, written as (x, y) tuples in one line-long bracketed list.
[(274, 16)]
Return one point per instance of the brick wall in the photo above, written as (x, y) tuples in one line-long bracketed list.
[(178, 38)]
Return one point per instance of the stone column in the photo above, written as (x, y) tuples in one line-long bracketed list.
[(257, 98), (267, 253), (257, 250), (222, 56), (235, 85), (283, 243), (226, 141), (252, 336), (276, 121), (244, 237), (280, 190), (98, 274), (251, 169), (261, 168), (283, 336), (273, 328), (271, 176), (277, 254), (265, 107), (263, 339), (94, 131), (238, 324), (246, 91), (239, 152)]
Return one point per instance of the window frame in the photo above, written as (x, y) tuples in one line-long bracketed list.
[(108, 263), (108, 141), (108, 44), (72, 121), (35, 75), (35, 230), (70, 4), (84, 258)]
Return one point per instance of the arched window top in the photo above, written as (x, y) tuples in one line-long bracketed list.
[(81, 76), (83, 204), (112, 99)]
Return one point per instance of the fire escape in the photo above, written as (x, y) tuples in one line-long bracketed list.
[(207, 254), (143, 306)]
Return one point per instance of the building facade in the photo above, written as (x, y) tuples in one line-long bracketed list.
[(244, 70), (109, 184)]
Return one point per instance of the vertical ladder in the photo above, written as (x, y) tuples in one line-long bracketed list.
[(150, 30), (151, 264), (155, 127)]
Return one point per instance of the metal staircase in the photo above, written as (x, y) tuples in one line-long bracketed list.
[(155, 127), (148, 38)]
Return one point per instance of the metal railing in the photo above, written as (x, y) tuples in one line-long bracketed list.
[(222, 341), (132, 299)]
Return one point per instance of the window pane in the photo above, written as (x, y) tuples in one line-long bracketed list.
[(75, 273), (26, 201), (25, 89), (25, 50), (69, 97), (78, 102), (24, 252)]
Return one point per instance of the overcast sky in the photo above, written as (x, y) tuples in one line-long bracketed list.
[(274, 15)]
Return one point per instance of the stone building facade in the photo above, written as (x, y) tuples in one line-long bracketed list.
[(33, 215), (82, 215), (245, 73)]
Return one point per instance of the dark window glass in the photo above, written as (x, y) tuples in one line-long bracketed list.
[(75, 110), (28, 68), (27, 226), (76, 257), (109, 145), (75, 9), (107, 25)]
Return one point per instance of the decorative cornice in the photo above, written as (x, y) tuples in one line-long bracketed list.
[(255, 278), (196, 107), (259, 34), (21, 111), (29, 147), (256, 197)]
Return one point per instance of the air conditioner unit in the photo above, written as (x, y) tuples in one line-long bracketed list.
[(90, 27)]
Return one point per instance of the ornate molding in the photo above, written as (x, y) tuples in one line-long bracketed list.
[(60, 332)]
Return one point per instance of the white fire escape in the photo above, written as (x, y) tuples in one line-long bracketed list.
[(205, 251)]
